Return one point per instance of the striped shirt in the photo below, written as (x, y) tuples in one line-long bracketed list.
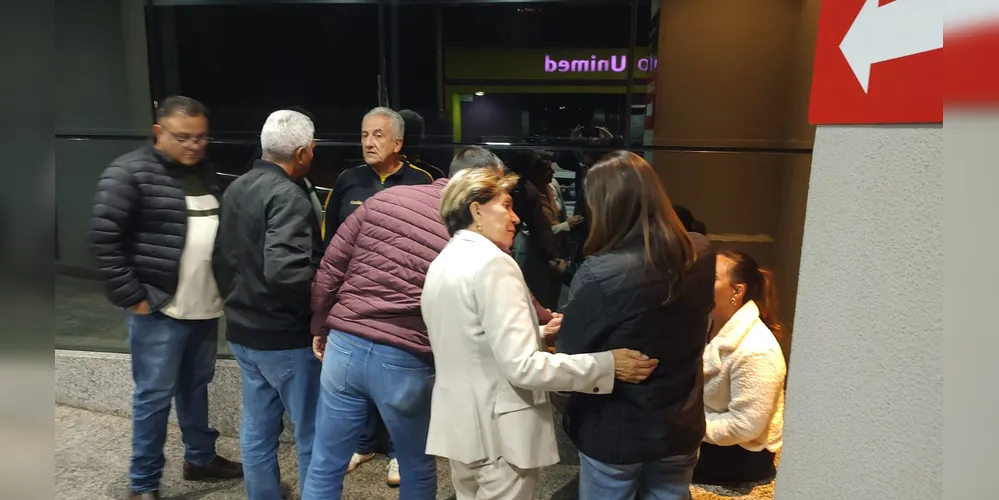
[(197, 294)]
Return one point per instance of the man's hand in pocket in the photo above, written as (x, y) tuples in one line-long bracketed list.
[(141, 307)]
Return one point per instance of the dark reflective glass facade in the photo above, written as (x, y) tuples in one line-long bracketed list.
[(504, 74), (713, 94)]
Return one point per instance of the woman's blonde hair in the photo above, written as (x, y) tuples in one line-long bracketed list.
[(470, 186)]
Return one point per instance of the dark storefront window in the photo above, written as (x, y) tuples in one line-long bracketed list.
[(244, 61), (478, 72), (455, 63)]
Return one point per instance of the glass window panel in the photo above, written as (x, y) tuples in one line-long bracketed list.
[(230, 57), (432, 57), (477, 70)]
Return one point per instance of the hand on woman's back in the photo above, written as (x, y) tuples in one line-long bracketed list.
[(632, 366)]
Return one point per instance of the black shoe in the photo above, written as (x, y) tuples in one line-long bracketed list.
[(218, 468), (145, 495)]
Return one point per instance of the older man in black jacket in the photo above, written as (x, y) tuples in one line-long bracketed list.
[(154, 221), (266, 255)]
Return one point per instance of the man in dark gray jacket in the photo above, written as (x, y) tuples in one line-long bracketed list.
[(153, 228), (266, 254)]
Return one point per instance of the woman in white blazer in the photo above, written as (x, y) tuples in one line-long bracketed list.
[(744, 373), (490, 413)]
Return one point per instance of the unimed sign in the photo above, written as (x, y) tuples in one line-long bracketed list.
[(613, 64)]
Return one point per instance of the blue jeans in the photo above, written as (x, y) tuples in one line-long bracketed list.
[(275, 382), (369, 436), (171, 360), (358, 373), (666, 479)]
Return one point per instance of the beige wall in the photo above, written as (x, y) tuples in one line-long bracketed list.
[(738, 75), (735, 74)]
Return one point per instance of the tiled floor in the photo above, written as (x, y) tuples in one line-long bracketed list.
[(92, 451), (92, 448), (91, 461)]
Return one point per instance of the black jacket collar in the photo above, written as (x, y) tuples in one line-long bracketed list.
[(204, 166), (398, 173), (272, 167)]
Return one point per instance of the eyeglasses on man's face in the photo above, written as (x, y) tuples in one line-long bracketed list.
[(187, 139)]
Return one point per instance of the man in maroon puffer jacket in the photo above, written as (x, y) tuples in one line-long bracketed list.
[(369, 331)]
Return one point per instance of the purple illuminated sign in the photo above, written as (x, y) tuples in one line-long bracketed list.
[(615, 64)]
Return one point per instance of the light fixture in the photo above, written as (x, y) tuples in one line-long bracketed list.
[(480, 93)]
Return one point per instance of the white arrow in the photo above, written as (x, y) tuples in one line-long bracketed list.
[(901, 28)]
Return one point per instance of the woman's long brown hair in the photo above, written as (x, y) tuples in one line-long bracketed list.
[(624, 195)]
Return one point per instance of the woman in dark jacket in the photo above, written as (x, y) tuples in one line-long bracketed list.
[(538, 249), (645, 285)]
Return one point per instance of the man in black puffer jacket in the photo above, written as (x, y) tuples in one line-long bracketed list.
[(152, 232)]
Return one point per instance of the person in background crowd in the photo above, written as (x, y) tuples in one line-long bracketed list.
[(562, 222), (555, 208), (490, 413), (370, 334), (537, 251), (744, 373), (382, 132), (415, 132), (691, 224), (597, 141), (266, 255), (153, 227), (645, 285), (543, 279)]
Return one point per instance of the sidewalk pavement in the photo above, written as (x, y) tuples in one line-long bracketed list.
[(92, 452)]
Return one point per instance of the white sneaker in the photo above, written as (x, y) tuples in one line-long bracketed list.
[(392, 478), (358, 459)]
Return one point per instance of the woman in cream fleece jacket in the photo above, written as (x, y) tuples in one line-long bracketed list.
[(744, 373)]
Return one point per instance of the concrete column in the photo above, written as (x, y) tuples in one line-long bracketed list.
[(864, 414)]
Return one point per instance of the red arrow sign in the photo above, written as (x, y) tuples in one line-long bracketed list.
[(878, 62)]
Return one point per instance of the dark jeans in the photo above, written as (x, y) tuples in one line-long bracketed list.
[(275, 382), (358, 373), (733, 465), (171, 360)]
